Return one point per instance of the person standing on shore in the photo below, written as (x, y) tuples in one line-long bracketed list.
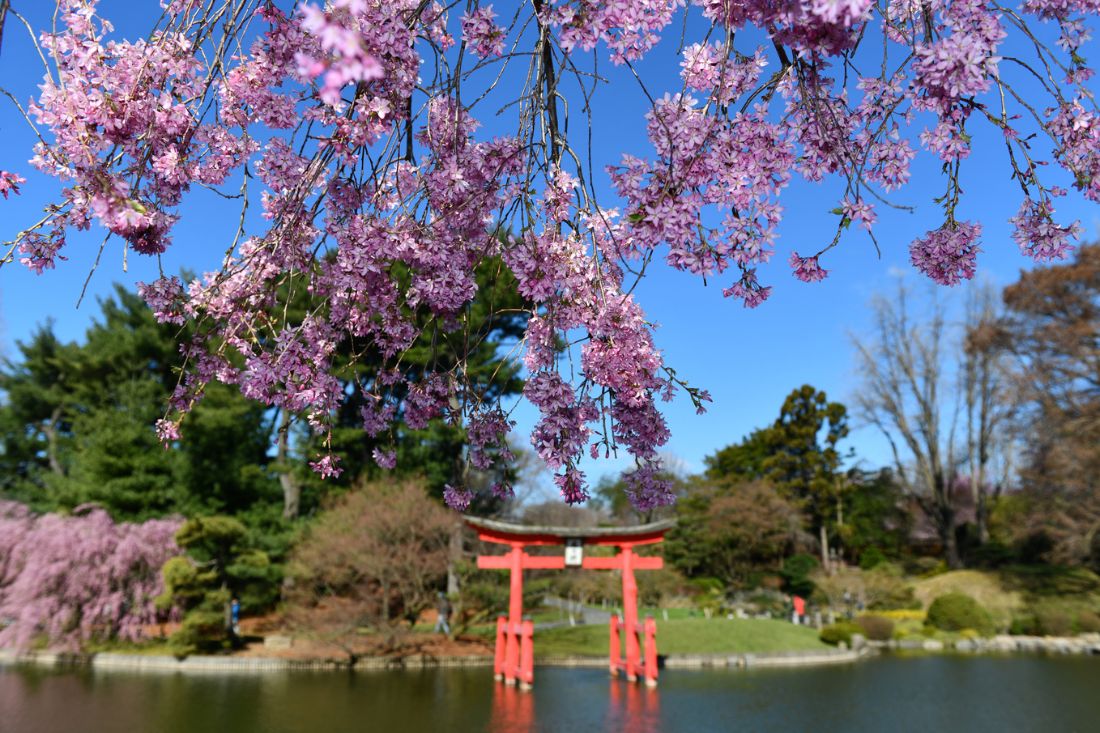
[(235, 617), (443, 609), (799, 604)]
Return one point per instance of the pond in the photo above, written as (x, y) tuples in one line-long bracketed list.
[(934, 693)]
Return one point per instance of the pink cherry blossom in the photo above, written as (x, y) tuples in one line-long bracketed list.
[(807, 269), (79, 578), (484, 36), (947, 255), (352, 128), (1038, 235), (9, 182)]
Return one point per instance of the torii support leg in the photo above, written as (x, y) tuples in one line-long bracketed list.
[(614, 646), (515, 616), (630, 615), (527, 655), (650, 652), (498, 655)]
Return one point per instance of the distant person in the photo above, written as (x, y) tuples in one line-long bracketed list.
[(443, 613), (235, 617), (799, 604)]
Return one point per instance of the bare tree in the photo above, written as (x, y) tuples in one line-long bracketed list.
[(903, 382), (989, 402), (910, 394), (377, 555)]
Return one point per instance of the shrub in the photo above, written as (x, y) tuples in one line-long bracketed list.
[(796, 574), (769, 602), (870, 558), (876, 628), (957, 611), (925, 567), (836, 633), (992, 554), (904, 614), (887, 590), (1054, 622), (1024, 626), (1088, 622), (1051, 580), (1034, 547)]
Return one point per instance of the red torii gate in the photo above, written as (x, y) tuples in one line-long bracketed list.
[(514, 659)]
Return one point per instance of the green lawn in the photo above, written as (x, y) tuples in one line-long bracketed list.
[(688, 636)]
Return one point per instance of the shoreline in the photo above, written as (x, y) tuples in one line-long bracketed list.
[(203, 663), (1002, 645)]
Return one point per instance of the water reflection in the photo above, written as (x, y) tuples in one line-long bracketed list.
[(948, 693), (513, 710), (633, 708)]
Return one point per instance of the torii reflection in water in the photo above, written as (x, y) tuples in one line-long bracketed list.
[(630, 709)]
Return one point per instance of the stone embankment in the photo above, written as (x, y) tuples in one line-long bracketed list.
[(215, 664), (204, 663), (775, 659), (1085, 644)]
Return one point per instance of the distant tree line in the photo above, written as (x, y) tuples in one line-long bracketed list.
[(994, 423)]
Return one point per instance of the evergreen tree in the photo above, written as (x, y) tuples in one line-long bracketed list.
[(77, 425), (803, 459), (36, 416)]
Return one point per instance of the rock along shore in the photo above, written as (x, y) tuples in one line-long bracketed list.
[(1085, 644)]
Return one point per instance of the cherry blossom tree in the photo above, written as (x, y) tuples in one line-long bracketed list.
[(359, 122), (74, 579)]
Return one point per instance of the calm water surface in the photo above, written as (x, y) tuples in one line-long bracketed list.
[(927, 694)]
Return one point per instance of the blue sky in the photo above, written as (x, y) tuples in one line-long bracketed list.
[(748, 359)]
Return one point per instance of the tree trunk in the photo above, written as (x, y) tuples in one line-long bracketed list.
[(947, 537), (292, 488), (454, 556), (825, 551), (981, 516), (50, 429), (292, 495)]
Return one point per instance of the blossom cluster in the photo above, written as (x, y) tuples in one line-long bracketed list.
[(947, 255), (485, 37), (9, 182)]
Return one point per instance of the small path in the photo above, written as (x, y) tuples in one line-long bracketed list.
[(588, 615)]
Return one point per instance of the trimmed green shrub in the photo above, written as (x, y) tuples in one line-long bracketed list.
[(958, 611), (836, 633), (875, 627)]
